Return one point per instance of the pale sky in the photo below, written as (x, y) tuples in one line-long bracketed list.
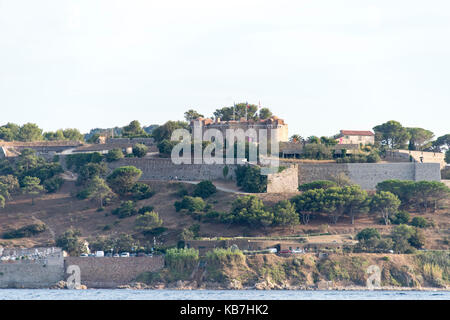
[(321, 65)]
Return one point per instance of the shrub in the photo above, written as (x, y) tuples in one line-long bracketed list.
[(25, 232), (191, 204), (249, 210), (181, 262), (140, 150), (401, 217), (90, 170), (318, 184), (204, 189), (53, 184), (141, 191), (83, 194), (419, 222), (79, 160), (218, 256), (122, 179), (373, 157), (316, 151), (70, 242), (367, 234), (249, 178), (148, 221), (145, 209), (114, 155), (126, 209)]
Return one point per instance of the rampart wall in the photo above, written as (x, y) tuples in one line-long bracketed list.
[(109, 272)]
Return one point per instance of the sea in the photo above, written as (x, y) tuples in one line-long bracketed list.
[(130, 294)]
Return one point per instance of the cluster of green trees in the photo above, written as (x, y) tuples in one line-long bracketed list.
[(92, 171), (393, 135), (246, 210), (31, 132), (389, 135), (421, 195), (319, 198), (250, 179), (29, 174), (402, 239)]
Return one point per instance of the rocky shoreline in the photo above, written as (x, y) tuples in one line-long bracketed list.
[(264, 285)]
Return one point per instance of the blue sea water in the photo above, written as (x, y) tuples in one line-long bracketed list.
[(127, 294)]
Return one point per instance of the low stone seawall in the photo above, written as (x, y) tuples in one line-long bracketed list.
[(32, 275), (109, 272), (367, 175)]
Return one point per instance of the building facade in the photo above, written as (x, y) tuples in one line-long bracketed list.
[(356, 137), (267, 124)]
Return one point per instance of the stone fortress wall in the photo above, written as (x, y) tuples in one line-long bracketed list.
[(109, 272), (367, 175), (165, 169)]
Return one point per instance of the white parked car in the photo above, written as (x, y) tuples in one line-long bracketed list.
[(99, 254), (125, 254), (116, 255), (297, 251), (273, 250)]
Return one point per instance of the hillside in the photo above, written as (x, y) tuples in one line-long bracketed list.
[(306, 271), (61, 210)]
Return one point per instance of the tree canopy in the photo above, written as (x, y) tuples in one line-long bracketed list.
[(391, 134)]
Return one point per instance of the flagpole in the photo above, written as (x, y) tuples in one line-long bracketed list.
[(246, 112)]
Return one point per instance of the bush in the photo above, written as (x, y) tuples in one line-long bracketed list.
[(219, 255), (182, 191), (148, 221), (83, 194), (204, 189), (140, 150), (141, 191), (53, 184), (191, 204), (70, 242), (114, 155), (145, 209), (249, 210), (401, 217), (249, 178), (373, 157), (90, 170), (181, 262), (79, 160), (123, 179), (316, 151), (318, 184), (368, 234), (419, 222), (25, 232), (126, 209)]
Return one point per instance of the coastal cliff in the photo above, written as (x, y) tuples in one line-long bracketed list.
[(305, 272)]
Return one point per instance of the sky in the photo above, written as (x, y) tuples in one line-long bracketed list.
[(320, 65)]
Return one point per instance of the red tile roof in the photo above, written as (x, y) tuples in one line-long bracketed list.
[(357, 133)]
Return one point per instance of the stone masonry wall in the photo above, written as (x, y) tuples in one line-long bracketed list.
[(107, 272), (367, 175), (30, 274), (164, 169), (285, 181)]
